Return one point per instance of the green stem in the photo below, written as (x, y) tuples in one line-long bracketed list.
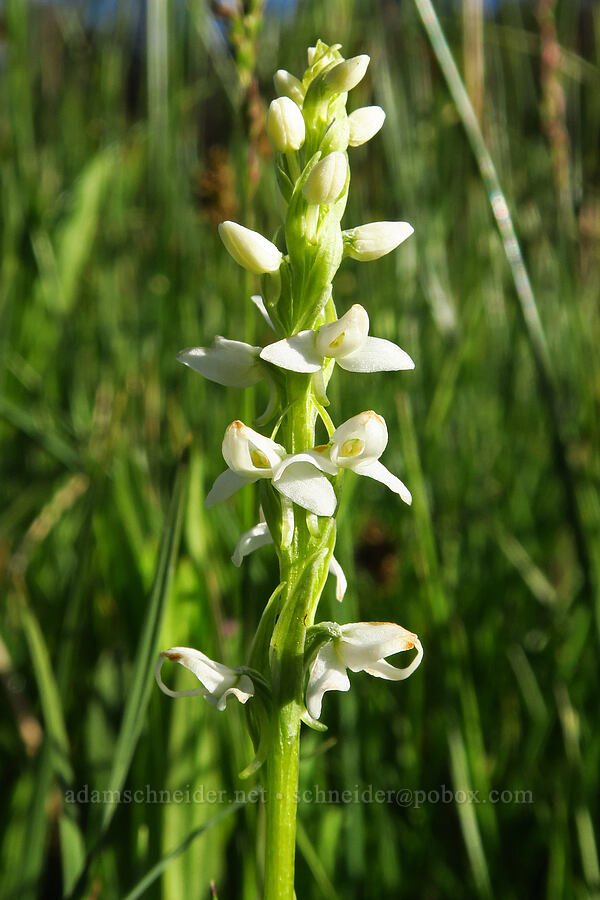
[(303, 565)]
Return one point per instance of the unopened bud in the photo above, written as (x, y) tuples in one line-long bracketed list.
[(327, 180), (346, 75), (287, 85), (375, 239), (249, 248), (311, 55), (285, 125), (364, 124)]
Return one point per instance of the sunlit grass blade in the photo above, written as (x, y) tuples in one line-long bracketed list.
[(524, 292), (155, 872), (313, 861)]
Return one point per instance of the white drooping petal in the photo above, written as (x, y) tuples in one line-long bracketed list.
[(376, 470), (285, 125), (297, 353), (375, 239), (260, 305), (218, 681), (383, 669), (231, 363), (376, 355), (347, 74), (301, 482), (341, 582), (363, 437), (327, 673), (345, 336), (249, 453), (364, 124), (249, 248), (251, 540), (225, 486), (288, 85), (327, 179)]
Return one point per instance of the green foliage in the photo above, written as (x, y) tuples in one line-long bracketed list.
[(117, 158)]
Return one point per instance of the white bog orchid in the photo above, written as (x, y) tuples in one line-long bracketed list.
[(358, 444), (360, 647), (230, 363), (218, 681), (346, 340), (252, 456), (249, 248), (260, 536), (375, 239)]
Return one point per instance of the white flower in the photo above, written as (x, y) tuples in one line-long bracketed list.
[(375, 239), (287, 85), (252, 456), (285, 125), (218, 681), (357, 445), (360, 647), (364, 124), (346, 341), (260, 536), (346, 75), (327, 179), (231, 363), (249, 248)]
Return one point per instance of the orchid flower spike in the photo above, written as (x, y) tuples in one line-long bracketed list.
[(252, 456), (346, 340), (260, 536), (360, 647), (231, 363), (218, 681)]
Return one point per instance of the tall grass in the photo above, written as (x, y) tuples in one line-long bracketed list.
[(121, 147)]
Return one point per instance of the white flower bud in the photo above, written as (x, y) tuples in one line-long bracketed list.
[(362, 438), (287, 85), (249, 248), (364, 124), (311, 55), (249, 453), (327, 180), (346, 75), (375, 239), (344, 336), (285, 125)]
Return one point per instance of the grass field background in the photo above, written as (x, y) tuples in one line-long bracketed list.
[(124, 139)]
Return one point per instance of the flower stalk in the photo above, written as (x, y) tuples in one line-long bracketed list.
[(298, 479)]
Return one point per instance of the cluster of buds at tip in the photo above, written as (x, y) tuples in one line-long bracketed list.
[(311, 133)]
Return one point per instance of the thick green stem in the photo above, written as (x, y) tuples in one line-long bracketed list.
[(304, 565)]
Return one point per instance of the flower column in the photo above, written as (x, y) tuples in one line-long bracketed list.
[(293, 662)]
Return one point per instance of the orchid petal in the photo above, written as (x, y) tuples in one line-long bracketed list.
[(383, 669), (230, 363), (341, 582), (296, 354), (378, 472), (314, 457), (299, 481), (225, 486), (376, 355), (327, 673), (251, 540)]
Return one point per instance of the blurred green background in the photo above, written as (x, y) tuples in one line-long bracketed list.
[(126, 135)]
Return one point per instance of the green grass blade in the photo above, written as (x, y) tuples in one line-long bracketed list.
[(151, 876), (143, 682)]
